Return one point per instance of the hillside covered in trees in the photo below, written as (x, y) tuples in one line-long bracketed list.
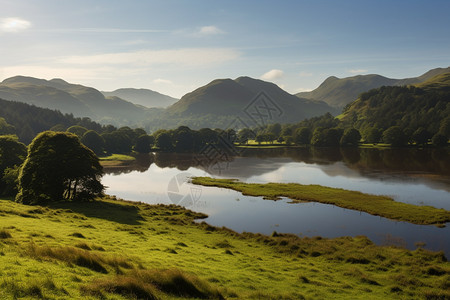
[(26, 121), (422, 108), (415, 114)]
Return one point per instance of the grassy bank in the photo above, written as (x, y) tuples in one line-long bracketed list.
[(116, 160), (113, 249), (375, 205)]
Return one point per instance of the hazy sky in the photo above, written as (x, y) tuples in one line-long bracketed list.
[(176, 46)]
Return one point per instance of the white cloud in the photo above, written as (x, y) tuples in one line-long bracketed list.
[(358, 71), (210, 30), (272, 74), (13, 24), (185, 57), (162, 81)]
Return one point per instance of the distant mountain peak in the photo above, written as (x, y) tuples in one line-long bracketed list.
[(227, 97), (59, 81), (144, 97), (338, 92)]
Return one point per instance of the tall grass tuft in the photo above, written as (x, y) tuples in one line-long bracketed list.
[(177, 283), (4, 234), (122, 285), (147, 284), (79, 257)]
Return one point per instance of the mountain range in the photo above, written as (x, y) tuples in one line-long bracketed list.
[(222, 103), (75, 99), (338, 92)]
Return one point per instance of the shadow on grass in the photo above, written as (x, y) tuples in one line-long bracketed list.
[(116, 212)]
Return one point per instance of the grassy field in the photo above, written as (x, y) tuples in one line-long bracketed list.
[(375, 205), (111, 249)]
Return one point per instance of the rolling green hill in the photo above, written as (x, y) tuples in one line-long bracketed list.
[(338, 92), (250, 101)]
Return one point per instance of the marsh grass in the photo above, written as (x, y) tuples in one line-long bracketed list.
[(375, 205)]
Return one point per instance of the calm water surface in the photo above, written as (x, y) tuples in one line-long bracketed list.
[(420, 177)]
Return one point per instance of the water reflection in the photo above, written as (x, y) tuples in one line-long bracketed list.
[(432, 165), (413, 176)]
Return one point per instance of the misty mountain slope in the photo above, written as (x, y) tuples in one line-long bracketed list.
[(77, 99), (144, 97), (338, 92), (44, 96)]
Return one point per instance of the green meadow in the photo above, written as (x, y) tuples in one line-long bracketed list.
[(375, 205), (112, 249)]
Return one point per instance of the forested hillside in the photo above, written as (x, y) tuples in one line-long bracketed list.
[(422, 107), (28, 120)]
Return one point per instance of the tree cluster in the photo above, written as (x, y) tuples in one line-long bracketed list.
[(12, 155), (184, 139)]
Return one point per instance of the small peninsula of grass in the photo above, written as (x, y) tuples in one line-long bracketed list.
[(375, 205), (112, 249), (115, 160)]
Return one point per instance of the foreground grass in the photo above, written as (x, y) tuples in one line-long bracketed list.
[(112, 249), (375, 205)]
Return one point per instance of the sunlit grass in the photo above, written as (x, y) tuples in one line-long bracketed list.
[(120, 250), (122, 157), (373, 204)]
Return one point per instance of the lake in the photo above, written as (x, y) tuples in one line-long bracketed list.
[(417, 176)]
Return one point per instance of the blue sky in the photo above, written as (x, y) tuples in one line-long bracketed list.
[(176, 46)]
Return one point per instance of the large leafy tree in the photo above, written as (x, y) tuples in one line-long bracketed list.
[(350, 137), (164, 141), (395, 136), (59, 167), (144, 143), (12, 155), (93, 141), (12, 152), (302, 136)]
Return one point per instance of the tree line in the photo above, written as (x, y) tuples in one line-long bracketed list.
[(328, 131)]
